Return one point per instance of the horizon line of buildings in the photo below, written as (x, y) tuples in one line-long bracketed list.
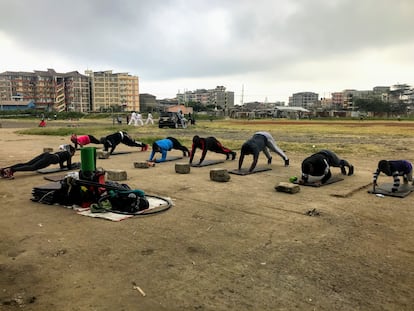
[(102, 90)]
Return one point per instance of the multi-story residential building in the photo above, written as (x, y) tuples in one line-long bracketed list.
[(147, 102), (349, 97), (218, 97), (48, 90), (77, 92), (109, 90), (303, 99), (337, 100)]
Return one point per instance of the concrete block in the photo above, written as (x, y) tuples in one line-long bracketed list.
[(219, 174), (116, 175), (287, 187), (143, 164), (102, 154), (182, 168)]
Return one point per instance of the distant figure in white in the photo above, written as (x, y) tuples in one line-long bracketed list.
[(149, 119), (182, 119), (139, 119), (133, 118)]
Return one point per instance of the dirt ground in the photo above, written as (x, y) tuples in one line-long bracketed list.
[(238, 245)]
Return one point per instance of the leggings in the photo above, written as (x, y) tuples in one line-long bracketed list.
[(177, 145), (41, 161), (271, 144)]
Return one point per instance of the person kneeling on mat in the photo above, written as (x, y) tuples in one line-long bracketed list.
[(209, 143), (318, 165), (395, 169), (41, 161), (261, 141), (165, 145)]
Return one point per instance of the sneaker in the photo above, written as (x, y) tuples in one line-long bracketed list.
[(343, 170), (269, 161), (287, 162), (233, 155), (7, 173), (351, 170)]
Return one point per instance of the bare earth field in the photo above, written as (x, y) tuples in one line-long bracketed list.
[(238, 245)]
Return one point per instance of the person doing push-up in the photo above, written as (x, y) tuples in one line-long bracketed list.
[(318, 165), (261, 141), (165, 145), (83, 140), (395, 168), (41, 161), (209, 143), (113, 140)]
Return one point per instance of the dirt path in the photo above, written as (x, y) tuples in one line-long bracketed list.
[(223, 246)]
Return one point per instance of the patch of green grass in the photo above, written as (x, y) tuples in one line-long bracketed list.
[(345, 137)]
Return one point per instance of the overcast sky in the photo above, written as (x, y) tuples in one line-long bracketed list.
[(262, 49)]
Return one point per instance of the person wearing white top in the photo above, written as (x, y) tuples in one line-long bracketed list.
[(149, 119), (133, 118), (139, 119)]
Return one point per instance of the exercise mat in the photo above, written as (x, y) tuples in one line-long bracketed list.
[(207, 163), (245, 171), (331, 180), (386, 189)]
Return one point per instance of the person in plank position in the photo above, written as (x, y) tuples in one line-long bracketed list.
[(395, 168), (209, 143), (165, 145), (318, 165), (83, 140), (113, 140), (261, 141), (41, 161)]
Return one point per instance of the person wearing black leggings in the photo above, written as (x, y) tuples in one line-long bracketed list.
[(209, 143), (165, 145), (113, 140), (318, 165), (41, 161)]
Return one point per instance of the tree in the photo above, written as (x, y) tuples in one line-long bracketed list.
[(197, 106), (375, 105)]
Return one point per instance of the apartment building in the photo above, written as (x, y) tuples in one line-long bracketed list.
[(303, 99), (48, 90), (110, 90), (218, 97), (77, 92)]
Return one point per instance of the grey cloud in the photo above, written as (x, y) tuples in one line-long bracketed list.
[(173, 39)]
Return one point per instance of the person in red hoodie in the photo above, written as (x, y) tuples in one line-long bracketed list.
[(42, 123), (83, 140)]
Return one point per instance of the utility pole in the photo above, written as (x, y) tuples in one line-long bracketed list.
[(242, 95)]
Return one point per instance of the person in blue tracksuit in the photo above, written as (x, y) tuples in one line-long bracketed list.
[(165, 145)]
